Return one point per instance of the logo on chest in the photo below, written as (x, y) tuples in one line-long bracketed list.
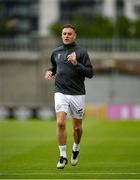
[(58, 56)]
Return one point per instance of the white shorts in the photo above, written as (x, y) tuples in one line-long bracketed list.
[(74, 104)]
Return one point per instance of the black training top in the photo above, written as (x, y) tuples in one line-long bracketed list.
[(69, 78)]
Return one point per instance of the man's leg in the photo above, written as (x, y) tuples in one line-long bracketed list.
[(61, 138), (77, 130), (77, 134)]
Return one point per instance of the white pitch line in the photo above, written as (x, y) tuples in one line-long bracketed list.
[(71, 179), (61, 173)]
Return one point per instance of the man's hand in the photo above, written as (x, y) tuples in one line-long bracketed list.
[(72, 58), (48, 75)]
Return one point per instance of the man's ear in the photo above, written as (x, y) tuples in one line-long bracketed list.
[(75, 36)]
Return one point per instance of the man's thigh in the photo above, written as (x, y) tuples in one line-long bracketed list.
[(77, 106), (61, 103)]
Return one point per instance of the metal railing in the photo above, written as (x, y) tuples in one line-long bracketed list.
[(18, 44), (97, 45), (111, 45)]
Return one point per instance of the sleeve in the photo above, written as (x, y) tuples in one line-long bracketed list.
[(84, 66), (53, 65)]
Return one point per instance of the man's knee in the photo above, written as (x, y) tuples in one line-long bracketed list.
[(77, 128), (60, 124), (61, 117)]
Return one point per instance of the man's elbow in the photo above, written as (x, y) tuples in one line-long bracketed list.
[(90, 74)]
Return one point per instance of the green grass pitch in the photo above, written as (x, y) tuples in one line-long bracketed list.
[(109, 150)]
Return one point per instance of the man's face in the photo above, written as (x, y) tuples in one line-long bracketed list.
[(68, 35)]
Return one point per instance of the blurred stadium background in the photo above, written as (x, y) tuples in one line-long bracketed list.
[(109, 29)]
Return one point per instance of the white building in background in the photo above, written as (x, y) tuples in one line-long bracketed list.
[(108, 8), (49, 12), (64, 10), (132, 9), (128, 8)]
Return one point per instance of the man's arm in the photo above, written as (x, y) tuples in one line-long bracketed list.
[(49, 74), (85, 67)]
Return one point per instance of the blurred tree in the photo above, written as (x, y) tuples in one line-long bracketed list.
[(122, 27), (56, 29), (137, 28), (99, 27), (7, 27), (102, 27), (3, 28)]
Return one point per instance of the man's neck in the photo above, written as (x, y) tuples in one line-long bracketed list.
[(69, 45)]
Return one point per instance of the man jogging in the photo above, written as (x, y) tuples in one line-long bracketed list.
[(70, 66)]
